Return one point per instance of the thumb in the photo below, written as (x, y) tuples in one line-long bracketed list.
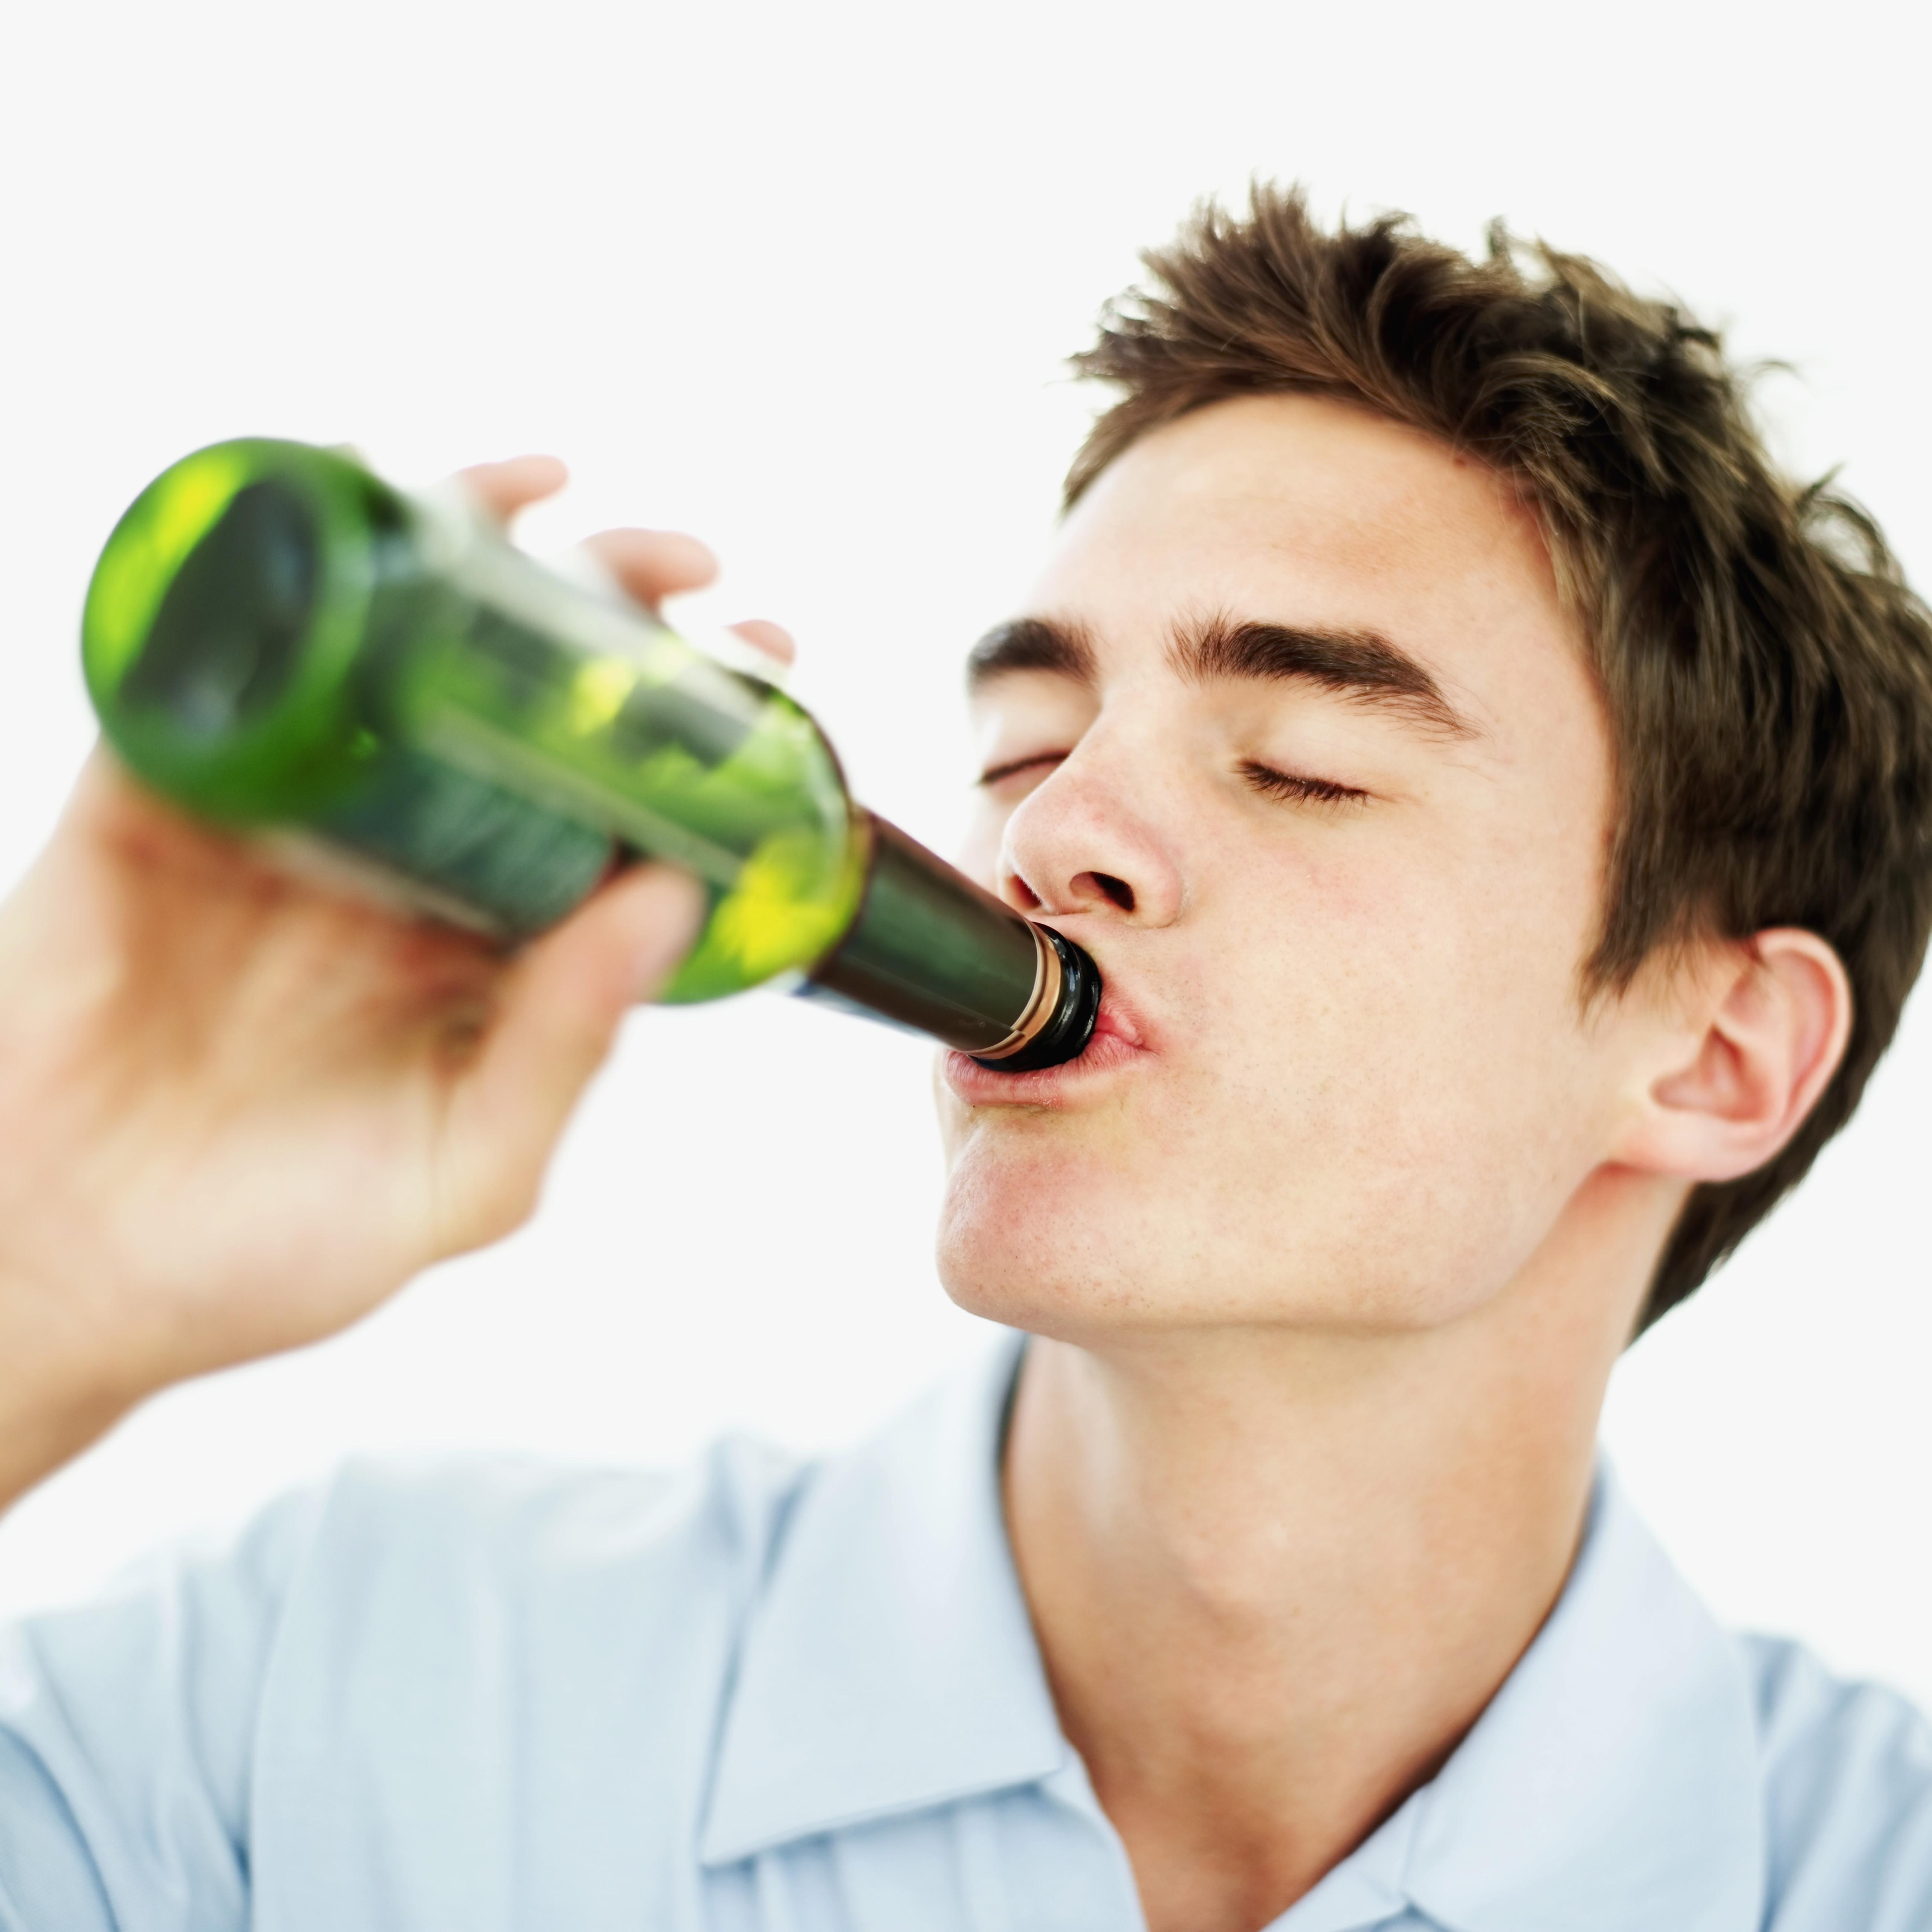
[(558, 1011)]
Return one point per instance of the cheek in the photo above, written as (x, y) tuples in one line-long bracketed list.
[(1412, 1079), (1408, 1064)]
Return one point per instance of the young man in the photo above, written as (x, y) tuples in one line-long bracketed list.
[(1502, 808)]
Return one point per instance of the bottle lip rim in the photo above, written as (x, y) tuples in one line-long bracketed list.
[(1043, 1004)]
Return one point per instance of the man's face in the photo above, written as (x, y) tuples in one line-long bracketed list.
[(1296, 739)]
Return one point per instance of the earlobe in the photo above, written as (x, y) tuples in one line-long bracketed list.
[(1775, 1017)]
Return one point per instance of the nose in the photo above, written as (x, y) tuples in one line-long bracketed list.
[(1083, 842)]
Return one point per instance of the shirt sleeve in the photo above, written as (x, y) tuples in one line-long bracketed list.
[(126, 1731)]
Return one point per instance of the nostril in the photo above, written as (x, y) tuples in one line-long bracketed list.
[(1017, 888), (1118, 890)]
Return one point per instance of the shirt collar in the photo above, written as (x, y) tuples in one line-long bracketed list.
[(1613, 1780), (890, 1664)]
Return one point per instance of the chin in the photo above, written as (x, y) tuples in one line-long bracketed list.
[(1084, 1249), (1083, 1245), (1041, 1238)]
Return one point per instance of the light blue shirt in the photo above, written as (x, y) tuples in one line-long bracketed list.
[(807, 1699)]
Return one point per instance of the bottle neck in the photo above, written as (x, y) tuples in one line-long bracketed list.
[(931, 951)]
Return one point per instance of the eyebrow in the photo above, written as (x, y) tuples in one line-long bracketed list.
[(1362, 664), (1033, 643)]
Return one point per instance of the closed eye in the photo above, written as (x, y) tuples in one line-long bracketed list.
[(1273, 783), (1035, 761)]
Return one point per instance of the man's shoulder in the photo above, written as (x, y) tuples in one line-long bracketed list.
[(533, 1526), (1820, 1732), (387, 1657), (463, 1635), (1847, 1782)]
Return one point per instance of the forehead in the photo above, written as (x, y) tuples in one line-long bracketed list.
[(1297, 509)]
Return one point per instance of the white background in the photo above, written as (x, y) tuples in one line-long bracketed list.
[(800, 278)]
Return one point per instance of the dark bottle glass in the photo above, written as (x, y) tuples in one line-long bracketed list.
[(278, 640)]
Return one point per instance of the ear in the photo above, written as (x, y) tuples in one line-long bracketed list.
[(1765, 1033)]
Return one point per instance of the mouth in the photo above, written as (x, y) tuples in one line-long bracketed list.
[(1120, 1042)]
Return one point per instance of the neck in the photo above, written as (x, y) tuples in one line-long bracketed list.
[(1277, 1573)]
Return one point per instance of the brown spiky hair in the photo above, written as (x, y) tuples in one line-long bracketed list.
[(1766, 673)]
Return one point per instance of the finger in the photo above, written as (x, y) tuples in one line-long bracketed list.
[(505, 488), (558, 1012), (652, 565), (773, 640)]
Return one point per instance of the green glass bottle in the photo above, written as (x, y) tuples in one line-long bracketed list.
[(278, 640)]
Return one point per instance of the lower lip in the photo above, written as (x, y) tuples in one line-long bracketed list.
[(1106, 1054)]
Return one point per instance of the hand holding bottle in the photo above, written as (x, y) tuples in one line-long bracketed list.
[(237, 1111)]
